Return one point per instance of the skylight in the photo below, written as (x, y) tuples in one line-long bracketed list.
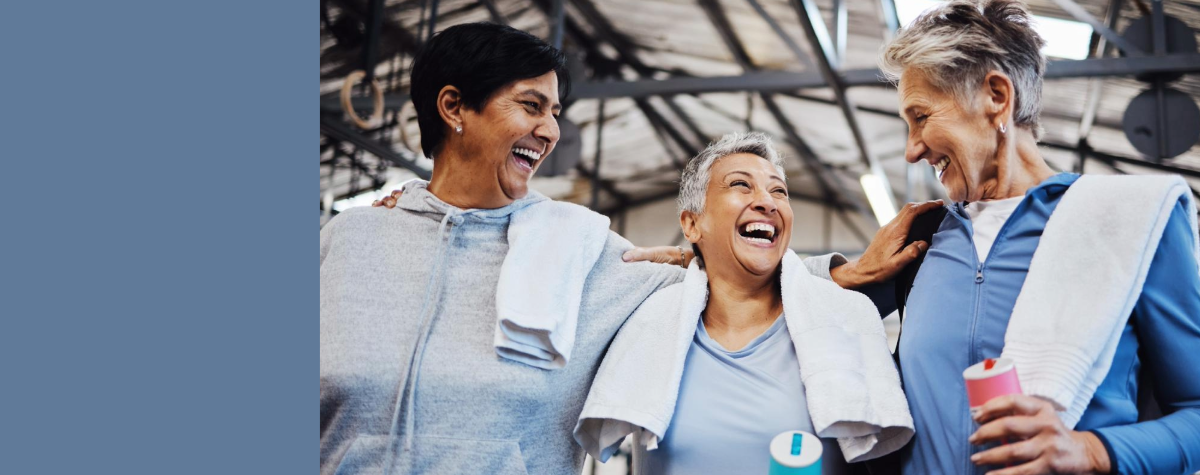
[(1066, 39)]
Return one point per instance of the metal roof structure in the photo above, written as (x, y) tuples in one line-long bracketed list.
[(656, 80)]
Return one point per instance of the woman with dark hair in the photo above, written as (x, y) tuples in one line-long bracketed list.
[(430, 361)]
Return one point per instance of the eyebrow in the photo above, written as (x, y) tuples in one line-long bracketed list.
[(739, 172), (542, 97)]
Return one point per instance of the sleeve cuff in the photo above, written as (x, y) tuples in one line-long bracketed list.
[(1112, 455)]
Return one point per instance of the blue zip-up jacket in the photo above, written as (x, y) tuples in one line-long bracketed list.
[(958, 312)]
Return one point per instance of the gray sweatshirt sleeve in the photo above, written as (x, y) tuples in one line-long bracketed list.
[(327, 238), (615, 289), (819, 266)]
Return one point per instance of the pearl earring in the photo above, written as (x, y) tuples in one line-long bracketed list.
[(458, 128), (1003, 128)]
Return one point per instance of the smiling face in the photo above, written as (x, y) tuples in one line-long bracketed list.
[(958, 141), (746, 223), (504, 142)]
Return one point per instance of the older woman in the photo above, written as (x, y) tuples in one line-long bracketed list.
[(417, 375), (970, 83), (716, 366)]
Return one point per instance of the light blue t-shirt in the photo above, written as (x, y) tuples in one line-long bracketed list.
[(732, 403)]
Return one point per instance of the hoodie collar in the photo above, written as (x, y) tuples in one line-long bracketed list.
[(417, 198)]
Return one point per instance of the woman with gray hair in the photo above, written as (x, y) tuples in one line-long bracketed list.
[(969, 74), (751, 344)]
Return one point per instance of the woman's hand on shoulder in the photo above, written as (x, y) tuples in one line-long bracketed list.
[(673, 255), (388, 201)]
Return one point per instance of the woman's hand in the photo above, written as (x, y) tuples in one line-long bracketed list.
[(674, 255), (887, 254), (388, 201), (1038, 442)]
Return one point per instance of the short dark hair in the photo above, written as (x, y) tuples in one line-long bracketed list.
[(478, 59)]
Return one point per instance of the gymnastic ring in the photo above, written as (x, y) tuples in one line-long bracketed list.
[(347, 85)]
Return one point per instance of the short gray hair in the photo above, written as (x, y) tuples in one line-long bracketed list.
[(957, 43), (694, 183)]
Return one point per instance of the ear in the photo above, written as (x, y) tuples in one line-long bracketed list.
[(998, 98), (691, 226), (449, 104)]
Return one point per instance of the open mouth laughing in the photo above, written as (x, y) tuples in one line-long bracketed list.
[(758, 233), (526, 159)]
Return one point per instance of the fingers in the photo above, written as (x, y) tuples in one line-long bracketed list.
[(1008, 428), (1013, 404), (396, 193), (904, 219), (658, 254), (909, 253), (651, 254), (634, 255), (389, 202), (1009, 454), (376, 204), (1035, 467), (688, 255)]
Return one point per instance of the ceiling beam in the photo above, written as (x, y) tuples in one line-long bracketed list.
[(336, 129), (812, 163), (1107, 33), (780, 81), (826, 57)]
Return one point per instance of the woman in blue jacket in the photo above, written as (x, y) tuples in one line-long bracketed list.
[(969, 76)]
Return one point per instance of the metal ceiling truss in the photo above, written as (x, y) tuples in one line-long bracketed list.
[(825, 52), (829, 54), (785, 81), (337, 129)]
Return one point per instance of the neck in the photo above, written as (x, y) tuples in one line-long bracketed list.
[(741, 304), (1019, 167), (455, 182)]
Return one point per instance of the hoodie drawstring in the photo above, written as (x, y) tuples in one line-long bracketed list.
[(407, 389)]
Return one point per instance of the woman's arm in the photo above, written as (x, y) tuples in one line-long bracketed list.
[(1167, 317), (884, 258)]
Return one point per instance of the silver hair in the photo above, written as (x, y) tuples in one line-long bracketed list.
[(694, 183), (957, 43)]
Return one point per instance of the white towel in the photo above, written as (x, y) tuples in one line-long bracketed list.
[(1084, 279), (850, 381), (552, 247)]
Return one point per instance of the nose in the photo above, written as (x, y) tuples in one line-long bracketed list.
[(763, 202), (916, 149), (547, 131)]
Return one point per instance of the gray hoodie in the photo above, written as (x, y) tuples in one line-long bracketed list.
[(408, 309)]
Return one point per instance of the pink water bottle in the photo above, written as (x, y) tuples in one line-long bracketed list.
[(990, 378)]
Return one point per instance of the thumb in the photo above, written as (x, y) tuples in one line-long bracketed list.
[(635, 254), (910, 253)]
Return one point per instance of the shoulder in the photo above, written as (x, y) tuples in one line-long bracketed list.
[(1124, 187), (568, 212), (610, 266), (670, 293), (361, 216), (367, 221), (847, 299)]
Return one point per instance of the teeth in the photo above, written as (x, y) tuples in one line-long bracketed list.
[(940, 166), (760, 227), (530, 154), (759, 240)]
